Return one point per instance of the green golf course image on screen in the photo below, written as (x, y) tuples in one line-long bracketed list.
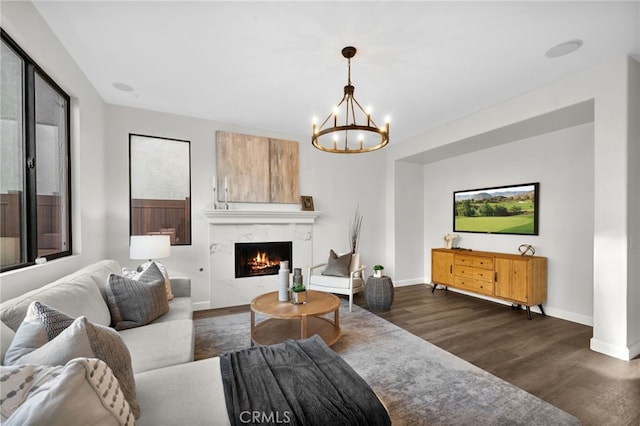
[(497, 210)]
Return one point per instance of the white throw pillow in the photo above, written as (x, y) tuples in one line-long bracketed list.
[(41, 324), (84, 339), (84, 391)]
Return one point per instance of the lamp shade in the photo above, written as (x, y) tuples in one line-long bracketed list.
[(149, 247)]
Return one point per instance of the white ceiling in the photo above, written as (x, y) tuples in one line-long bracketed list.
[(276, 65)]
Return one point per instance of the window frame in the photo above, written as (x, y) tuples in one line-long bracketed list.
[(29, 231)]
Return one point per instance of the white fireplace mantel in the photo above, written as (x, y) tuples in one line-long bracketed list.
[(228, 217)]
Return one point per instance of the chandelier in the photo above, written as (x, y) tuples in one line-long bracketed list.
[(351, 131)]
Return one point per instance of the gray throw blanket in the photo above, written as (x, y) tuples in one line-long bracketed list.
[(298, 382)]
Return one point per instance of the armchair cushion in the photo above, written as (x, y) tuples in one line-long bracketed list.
[(338, 266), (334, 282)]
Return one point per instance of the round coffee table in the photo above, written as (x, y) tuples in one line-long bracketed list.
[(289, 321)]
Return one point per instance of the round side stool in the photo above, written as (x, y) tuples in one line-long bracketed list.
[(378, 292)]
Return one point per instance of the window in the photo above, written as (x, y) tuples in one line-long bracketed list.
[(35, 176), (160, 187)]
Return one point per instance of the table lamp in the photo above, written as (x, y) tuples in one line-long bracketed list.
[(149, 247)]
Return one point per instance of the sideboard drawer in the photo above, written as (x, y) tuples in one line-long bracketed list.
[(474, 285), (475, 261), (475, 273)]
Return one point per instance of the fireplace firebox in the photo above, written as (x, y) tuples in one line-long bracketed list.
[(257, 259)]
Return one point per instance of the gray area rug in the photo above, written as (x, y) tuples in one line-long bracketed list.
[(419, 383)]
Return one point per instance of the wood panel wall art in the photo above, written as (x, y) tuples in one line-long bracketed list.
[(257, 169)]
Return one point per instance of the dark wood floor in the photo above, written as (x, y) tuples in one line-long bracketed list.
[(545, 356)]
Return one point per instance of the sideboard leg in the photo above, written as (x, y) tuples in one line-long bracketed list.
[(528, 312), (542, 310), (433, 287)]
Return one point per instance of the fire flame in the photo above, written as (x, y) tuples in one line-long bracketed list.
[(262, 261)]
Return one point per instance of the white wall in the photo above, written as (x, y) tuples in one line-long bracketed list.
[(565, 215), (338, 183), (634, 204), (410, 210), (23, 23)]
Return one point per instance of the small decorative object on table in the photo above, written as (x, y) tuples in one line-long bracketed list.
[(378, 293), (378, 271), (298, 290), (283, 284), (307, 203), (449, 240), (526, 250)]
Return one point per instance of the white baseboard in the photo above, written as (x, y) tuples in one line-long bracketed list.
[(201, 306), (621, 352), (412, 281), (550, 311)]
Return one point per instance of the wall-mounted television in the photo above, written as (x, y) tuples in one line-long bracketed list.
[(509, 209)]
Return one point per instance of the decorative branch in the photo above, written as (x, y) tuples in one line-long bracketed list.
[(354, 231)]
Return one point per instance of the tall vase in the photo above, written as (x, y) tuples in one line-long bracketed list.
[(283, 283)]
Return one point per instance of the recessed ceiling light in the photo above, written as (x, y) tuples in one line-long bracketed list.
[(123, 86), (564, 48)]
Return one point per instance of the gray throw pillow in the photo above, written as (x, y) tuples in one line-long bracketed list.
[(84, 339), (41, 324), (338, 266), (163, 270), (134, 303)]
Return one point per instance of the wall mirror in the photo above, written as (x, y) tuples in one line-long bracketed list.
[(160, 187)]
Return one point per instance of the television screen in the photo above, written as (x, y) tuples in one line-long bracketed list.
[(498, 210)]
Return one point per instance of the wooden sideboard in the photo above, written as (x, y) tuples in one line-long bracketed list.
[(521, 280)]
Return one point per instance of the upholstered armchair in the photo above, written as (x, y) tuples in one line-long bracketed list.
[(337, 275)]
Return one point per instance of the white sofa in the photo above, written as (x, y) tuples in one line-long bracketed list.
[(170, 388), (168, 340)]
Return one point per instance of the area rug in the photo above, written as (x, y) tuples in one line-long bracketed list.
[(419, 383)]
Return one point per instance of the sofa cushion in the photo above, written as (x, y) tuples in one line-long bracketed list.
[(137, 302), (172, 343), (80, 297), (6, 337), (97, 273), (84, 391), (179, 308), (84, 339), (337, 266), (186, 394), (41, 325)]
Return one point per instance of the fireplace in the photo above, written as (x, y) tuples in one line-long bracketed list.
[(258, 259)]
